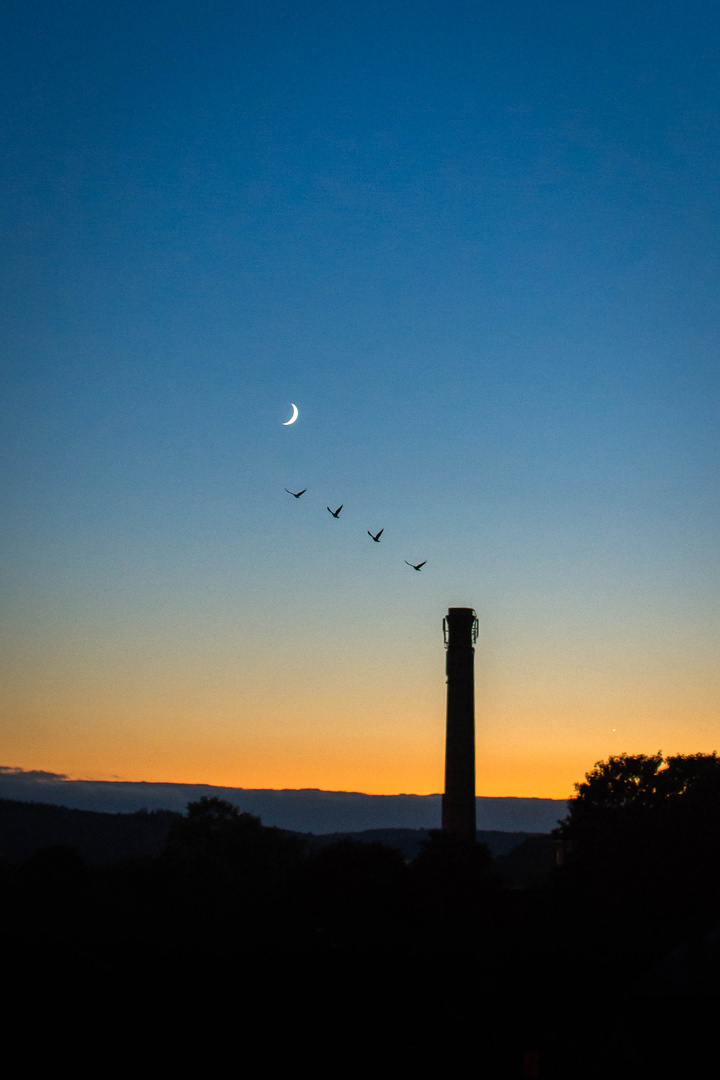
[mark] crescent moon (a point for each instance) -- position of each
(294, 416)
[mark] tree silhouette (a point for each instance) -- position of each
(644, 830)
(224, 873)
(349, 895)
(215, 833)
(452, 879)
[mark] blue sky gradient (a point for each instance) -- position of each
(477, 245)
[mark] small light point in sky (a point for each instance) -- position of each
(293, 418)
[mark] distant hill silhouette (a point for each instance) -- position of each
(305, 810)
(97, 837)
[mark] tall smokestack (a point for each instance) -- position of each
(458, 803)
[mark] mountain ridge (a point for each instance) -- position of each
(313, 810)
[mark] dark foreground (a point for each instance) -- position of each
(351, 958)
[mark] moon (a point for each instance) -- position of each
(294, 416)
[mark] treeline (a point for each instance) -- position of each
(220, 881)
(101, 837)
(568, 925)
(636, 858)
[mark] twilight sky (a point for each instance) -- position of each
(477, 245)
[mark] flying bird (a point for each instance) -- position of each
(336, 513)
(296, 494)
(419, 565)
(376, 538)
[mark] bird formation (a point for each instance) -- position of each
(373, 536)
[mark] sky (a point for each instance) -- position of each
(476, 244)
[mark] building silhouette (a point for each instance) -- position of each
(458, 802)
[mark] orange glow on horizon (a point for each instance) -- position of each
(253, 727)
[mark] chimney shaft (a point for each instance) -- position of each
(458, 803)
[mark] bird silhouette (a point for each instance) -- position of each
(376, 538)
(419, 565)
(336, 513)
(296, 494)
